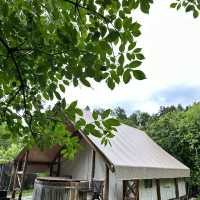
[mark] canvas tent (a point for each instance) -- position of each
(125, 166)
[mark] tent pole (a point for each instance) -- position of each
(58, 169)
(106, 185)
(93, 165)
(158, 189)
(1, 169)
(23, 175)
(11, 176)
(176, 188)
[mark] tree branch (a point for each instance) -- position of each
(88, 9)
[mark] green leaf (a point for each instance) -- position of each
(118, 24)
(115, 76)
(95, 115)
(112, 122)
(145, 6)
(105, 113)
(132, 46)
(127, 76)
(135, 64)
(136, 26)
(122, 48)
(113, 36)
(190, 8)
(173, 5)
(139, 75)
(121, 59)
(73, 104)
(110, 83)
(57, 95)
(89, 127)
(85, 82)
(80, 123)
(195, 13)
(138, 50)
(62, 87)
(120, 70)
(140, 56)
(96, 133)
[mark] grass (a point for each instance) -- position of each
(28, 192)
(25, 193)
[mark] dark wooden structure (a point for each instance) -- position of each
(131, 190)
(50, 188)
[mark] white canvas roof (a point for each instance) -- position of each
(135, 155)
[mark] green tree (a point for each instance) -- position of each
(178, 132)
(47, 45)
(8, 147)
(120, 113)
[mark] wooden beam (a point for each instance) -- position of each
(106, 185)
(15, 179)
(158, 189)
(93, 164)
(176, 188)
(40, 163)
(23, 175)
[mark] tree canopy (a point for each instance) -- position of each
(47, 45)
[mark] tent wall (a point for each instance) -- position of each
(112, 186)
(100, 168)
(80, 167)
(37, 168)
(167, 189)
(147, 193)
(181, 187)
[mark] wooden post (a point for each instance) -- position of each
(1, 169)
(93, 165)
(158, 189)
(106, 185)
(23, 175)
(51, 169)
(58, 169)
(176, 188)
(15, 179)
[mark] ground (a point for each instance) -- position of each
(27, 198)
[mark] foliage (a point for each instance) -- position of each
(184, 127)
(189, 6)
(45, 46)
(8, 148)
(120, 113)
(137, 119)
(8, 153)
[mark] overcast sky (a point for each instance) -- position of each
(171, 44)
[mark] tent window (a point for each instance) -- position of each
(131, 190)
(148, 183)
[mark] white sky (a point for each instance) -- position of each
(170, 42)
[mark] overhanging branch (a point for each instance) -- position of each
(78, 5)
